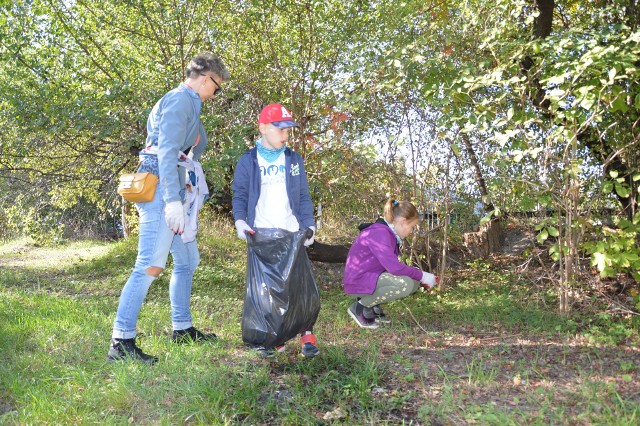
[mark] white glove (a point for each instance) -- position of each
(174, 216)
(309, 241)
(242, 227)
(428, 279)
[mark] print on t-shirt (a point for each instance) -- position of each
(273, 209)
(272, 173)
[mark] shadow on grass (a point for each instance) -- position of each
(457, 375)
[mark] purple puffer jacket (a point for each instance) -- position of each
(373, 252)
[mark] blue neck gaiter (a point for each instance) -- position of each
(270, 155)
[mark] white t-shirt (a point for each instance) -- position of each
(273, 209)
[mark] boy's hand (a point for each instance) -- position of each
(309, 241)
(242, 228)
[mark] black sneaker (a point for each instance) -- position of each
(192, 334)
(122, 349)
(380, 315)
(356, 310)
(265, 353)
(270, 352)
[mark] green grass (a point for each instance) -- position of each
(483, 351)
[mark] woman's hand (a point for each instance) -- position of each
(174, 216)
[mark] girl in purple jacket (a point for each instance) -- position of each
(373, 273)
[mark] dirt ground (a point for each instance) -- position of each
(529, 375)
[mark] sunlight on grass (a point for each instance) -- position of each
(20, 254)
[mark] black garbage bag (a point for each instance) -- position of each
(282, 297)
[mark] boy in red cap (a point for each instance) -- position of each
(270, 190)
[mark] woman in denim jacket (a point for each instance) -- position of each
(173, 127)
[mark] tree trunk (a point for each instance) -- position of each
(326, 253)
(445, 231)
(477, 172)
(488, 239)
(541, 28)
(124, 218)
(544, 21)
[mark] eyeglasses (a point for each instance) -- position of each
(218, 88)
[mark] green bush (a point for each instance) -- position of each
(616, 250)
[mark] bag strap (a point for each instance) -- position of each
(135, 169)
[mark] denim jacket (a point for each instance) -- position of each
(173, 125)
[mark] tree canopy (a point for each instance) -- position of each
(520, 105)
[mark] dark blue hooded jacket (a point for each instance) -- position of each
(246, 188)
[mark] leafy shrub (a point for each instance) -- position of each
(616, 250)
(44, 230)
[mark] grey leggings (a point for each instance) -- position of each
(389, 287)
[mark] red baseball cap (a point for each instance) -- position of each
(277, 115)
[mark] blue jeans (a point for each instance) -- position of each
(155, 242)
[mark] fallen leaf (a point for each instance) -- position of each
(338, 413)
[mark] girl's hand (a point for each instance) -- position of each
(428, 279)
